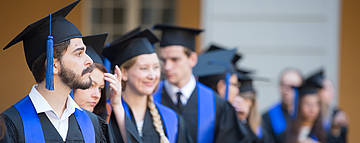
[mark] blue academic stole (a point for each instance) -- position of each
(168, 117)
(206, 111)
(277, 119)
(32, 127)
(259, 132)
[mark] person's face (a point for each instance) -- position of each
(242, 107)
(327, 92)
(144, 75)
(310, 107)
(289, 80)
(177, 65)
(88, 98)
(74, 68)
(233, 88)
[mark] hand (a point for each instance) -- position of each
(115, 86)
(340, 119)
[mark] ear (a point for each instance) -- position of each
(193, 59)
(124, 73)
(220, 86)
(56, 66)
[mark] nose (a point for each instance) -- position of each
(151, 75)
(88, 60)
(167, 65)
(97, 93)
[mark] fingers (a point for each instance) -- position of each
(110, 79)
(118, 73)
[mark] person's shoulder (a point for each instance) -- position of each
(11, 114)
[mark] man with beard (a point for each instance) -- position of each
(48, 113)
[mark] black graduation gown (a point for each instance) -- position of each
(342, 138)
(251, 137)
(149, 133)
(226, 126)
(15, 131)
(267, 126)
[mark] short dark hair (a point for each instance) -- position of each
(38, 66)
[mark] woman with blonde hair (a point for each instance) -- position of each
(135, 116)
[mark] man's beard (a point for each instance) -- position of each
(74, 81)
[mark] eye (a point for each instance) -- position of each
(156, 66)
(174, 59)
(79, 54)
(143, 68)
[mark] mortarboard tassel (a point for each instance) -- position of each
(296, 102)
(227, 83)
(49, 61)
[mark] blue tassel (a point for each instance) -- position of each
(296, 102)
(227, 83)
(49, 61)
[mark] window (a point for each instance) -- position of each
(119, 16)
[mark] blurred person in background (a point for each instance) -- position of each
(276, 119)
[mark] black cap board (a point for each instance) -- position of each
(214, 47)
(131, 44)
(316, 79)
(176, 35)
(214, 62)
(94, 46)
(35, 35)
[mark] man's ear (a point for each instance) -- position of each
(56, 66)
(193, 59)
(220, 86)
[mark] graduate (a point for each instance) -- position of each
(334, 119)
(245, 105)
(93, 99)
(208, 117)
(136, 117)
(225, 83)
(307, 125)
(55, 54)
(276, 119)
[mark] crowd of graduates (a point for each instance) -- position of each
(129, 91)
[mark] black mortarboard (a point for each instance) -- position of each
(214, 47)
(94, 46)
(175, 35)
(307, 89)
(214, 66)
(133, 43)
(35, 35)
(316, 79)
(38, 39)
(246, 86)
(214, 62)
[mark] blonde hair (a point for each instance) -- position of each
(150, 104)
(254, 116)
(156, 120)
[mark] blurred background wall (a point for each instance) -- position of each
(271, 35)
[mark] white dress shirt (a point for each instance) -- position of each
(186, 91)
(60, 123)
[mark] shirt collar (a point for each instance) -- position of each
(187, 90)
(41, 105)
